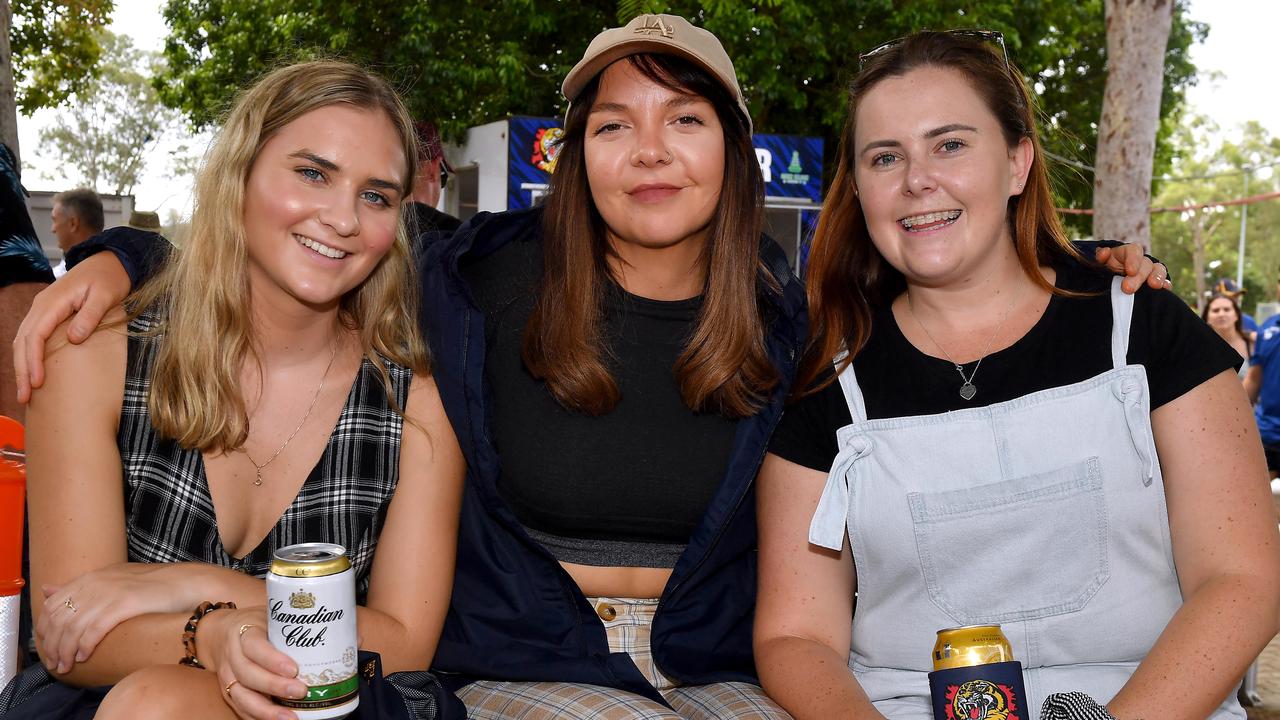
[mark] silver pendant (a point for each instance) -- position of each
(968, 390)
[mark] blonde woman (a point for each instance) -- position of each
(268, 391)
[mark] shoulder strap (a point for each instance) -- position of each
(852, 393)
(1121, 321)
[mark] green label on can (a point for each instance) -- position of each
(325, 696)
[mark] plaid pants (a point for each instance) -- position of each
(627, 624)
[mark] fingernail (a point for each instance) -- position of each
(297, 691)
(80, 657)
(61, 668)
(284, 715)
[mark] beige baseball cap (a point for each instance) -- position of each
(659, 34)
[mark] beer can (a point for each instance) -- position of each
(975, 676)
(311, 606)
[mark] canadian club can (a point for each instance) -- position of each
(311, 606)
(975, 676)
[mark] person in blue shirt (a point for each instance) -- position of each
(1262, 383)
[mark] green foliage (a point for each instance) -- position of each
(116, 121)
(469, 63)
(55, 48)
(1192, 156)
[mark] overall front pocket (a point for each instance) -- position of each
(1014, 550)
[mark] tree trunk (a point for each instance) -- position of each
(1197, 258)
(8, 98)
(1137, 33)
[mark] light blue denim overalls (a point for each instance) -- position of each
(1045, 514)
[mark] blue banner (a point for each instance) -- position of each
(532, 150)
(791, 164)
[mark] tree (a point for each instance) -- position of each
(48, 53)
(117, 119)
(1208, 171)
(484, 60)
(1137, 32)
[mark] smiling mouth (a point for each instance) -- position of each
(320, 247)
(929, 221)
(653, 193)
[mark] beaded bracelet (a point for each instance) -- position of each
(189, 631)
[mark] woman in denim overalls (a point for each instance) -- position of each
(1147, 582)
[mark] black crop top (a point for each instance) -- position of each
(626, 488)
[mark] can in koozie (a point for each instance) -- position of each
(311, 605)
(975, 676)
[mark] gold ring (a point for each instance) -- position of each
(230, 685)
(70, 605)
(245, 627)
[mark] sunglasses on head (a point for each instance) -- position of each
(993, 36)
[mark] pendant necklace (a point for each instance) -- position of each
(259, 468)
(967, 390)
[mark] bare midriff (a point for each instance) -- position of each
(618, 582)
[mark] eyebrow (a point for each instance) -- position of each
(953, 127)
(677, 101)
(331, 166)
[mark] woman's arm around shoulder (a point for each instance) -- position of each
(412, 575)
(74, 496)
(1226, 549)
(804, 606)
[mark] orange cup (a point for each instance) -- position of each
(13, 481)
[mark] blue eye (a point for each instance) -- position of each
(311, 174)
(376, 198)
(952, 145)
(882, 160)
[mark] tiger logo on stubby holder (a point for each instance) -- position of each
(302, 600)
(981, 700)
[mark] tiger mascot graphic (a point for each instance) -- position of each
(980, 700)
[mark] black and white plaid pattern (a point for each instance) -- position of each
(170, 516)
(1073, 706)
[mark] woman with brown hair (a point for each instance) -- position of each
(1222, 313)
(995, 434)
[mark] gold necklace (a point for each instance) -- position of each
(259, 468)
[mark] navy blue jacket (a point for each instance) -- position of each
(516, 614)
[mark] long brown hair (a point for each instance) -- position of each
(202, 294)
(847, 276)
(1239, 323)
(724, 367)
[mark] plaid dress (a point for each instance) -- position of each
(169, 513)
(169, 517)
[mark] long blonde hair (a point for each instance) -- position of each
(202, 295)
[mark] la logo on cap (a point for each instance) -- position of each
(653, 25)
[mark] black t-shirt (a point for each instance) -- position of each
(642, 473)
(1070, 343)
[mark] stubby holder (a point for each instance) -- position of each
(992, 691)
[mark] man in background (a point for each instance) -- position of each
(77, 216)
(433, 174)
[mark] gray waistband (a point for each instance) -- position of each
(609, 553)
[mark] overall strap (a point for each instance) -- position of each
(852, 393)
(1121, 321)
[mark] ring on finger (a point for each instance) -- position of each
(230, 685)
(245, 627)
(70, 605)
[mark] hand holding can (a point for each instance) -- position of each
(311, 611)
